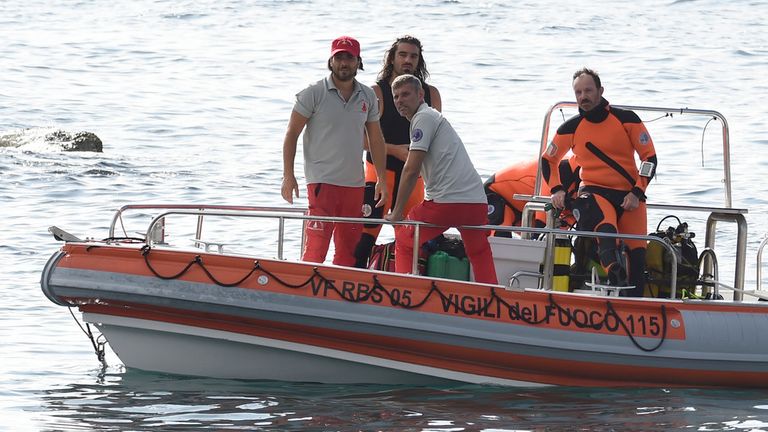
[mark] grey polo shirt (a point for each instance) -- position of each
(333, 137)
(449, 176)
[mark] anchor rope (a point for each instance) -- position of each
(98, 343)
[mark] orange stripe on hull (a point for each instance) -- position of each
(481, 362)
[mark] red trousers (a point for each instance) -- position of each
(338, 201)
(448, 215)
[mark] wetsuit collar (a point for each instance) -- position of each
(596, 114)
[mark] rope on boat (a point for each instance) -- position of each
(397, 300)
(98, 342)
(623, 325)
(199, 261)
(146, 249)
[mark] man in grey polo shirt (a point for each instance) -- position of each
(454, 193)
(338, 112)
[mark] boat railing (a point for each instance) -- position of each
(554, 232)
(155, 233)
(537, 203)
(680, 111)
(759, 266)
(282, 216)
(712, 276)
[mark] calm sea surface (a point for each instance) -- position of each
(191, 99)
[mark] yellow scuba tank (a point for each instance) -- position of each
(562, 265)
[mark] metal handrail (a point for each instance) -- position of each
(279, 213)
(274, 212)
(576, 233)
(543, 199)
(529, 211)
(741, 246)
(251, 213)
(201, 207)
(760, 263)
(713, 113)
(709, 259)
(716, 214)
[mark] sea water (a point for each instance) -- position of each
(191, 99)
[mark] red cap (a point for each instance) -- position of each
(346, 44)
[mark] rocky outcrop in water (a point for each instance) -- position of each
(79, 141)
(49, 139)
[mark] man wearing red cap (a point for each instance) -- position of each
(337, 112)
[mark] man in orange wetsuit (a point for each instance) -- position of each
(520, 178)
(405, 56)
(604, 141)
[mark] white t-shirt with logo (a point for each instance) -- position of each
(449, 176)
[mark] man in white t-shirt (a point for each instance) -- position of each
(338, 111)
(454, 193)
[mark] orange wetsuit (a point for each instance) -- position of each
(604, 142)
(520, 178)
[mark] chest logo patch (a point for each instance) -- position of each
(551, 149)
(417, 135)
(367, 210)
(365, 107)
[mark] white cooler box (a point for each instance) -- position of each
(511, 255)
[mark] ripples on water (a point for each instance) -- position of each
(136, 400)
(191, 99)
